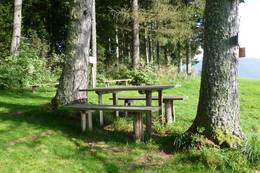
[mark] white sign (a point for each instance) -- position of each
(92, 60)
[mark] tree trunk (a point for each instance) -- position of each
(94, 43)
(180, 65)
(158, 52)
(75, 71)
(188, 58)
(136, 41)
(17, 26)
(218, 115)
(150, 48)
(117, 48)
(146, 46)
(167, 57)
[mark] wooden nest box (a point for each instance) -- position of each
(242, 52)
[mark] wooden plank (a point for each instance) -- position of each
(115, 102)
(173, 111)
(153, 98)
(90, 122)
(83, 120)
(138, 127)
(100, 102)
(149, 114)
(168, 111)
(129, 88)
(79, 106)
(117, 80)
(160, 104)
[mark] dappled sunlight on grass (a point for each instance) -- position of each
(33, 138)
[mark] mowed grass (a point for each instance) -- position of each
(33, 139)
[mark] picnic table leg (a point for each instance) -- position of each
(138, 127)
(100, 102)
(90, 125)
(83, 120)
(160, 104)
(173, 111)
(115, 102)
(168, 111)
(149, 114)
(127, 103)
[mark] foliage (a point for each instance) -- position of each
(24, 70)
(251, 149)
(140, 76)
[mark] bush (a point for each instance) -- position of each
(24, 70)
(141, 76)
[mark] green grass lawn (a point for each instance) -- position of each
(32, 139)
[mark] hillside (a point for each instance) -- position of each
(248, 68)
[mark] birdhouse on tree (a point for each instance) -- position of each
(242, 52)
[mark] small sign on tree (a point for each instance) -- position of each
(92, 60)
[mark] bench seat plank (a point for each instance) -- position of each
(114, 108)
(153, 98)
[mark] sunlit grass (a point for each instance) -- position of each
(33, 139)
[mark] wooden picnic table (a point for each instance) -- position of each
(147, 90)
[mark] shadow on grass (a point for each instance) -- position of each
(69, 123)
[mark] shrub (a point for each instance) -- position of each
(24, 70)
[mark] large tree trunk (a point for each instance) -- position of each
(117, 48)
(188, 58)
(158, 52)
(136, 41)
(218, 115)
(146, 43)
(75, 71)
(17, 25)
(94, 43)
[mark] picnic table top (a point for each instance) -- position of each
(130, 88)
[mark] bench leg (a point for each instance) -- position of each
(101, 118)
(168, 111)
(160, 104)
(115, 102)
(173, 111)
(90, 124)
(83, 121)
(138, 127)
(149, 114)
(127, 103)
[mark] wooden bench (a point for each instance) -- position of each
(88, 109)
(36, 87)
(170, 112)
(126, 81)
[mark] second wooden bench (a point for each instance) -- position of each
(170, 112)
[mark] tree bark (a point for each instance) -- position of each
(136, 41)
(94, 43)
(218, 115)
(146, 46)
(17, 26)
(158, 52)
(150, 48)
(180, 65)
(75, 71)
(117, 47)
(188, 58)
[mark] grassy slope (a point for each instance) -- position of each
(38, 141)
